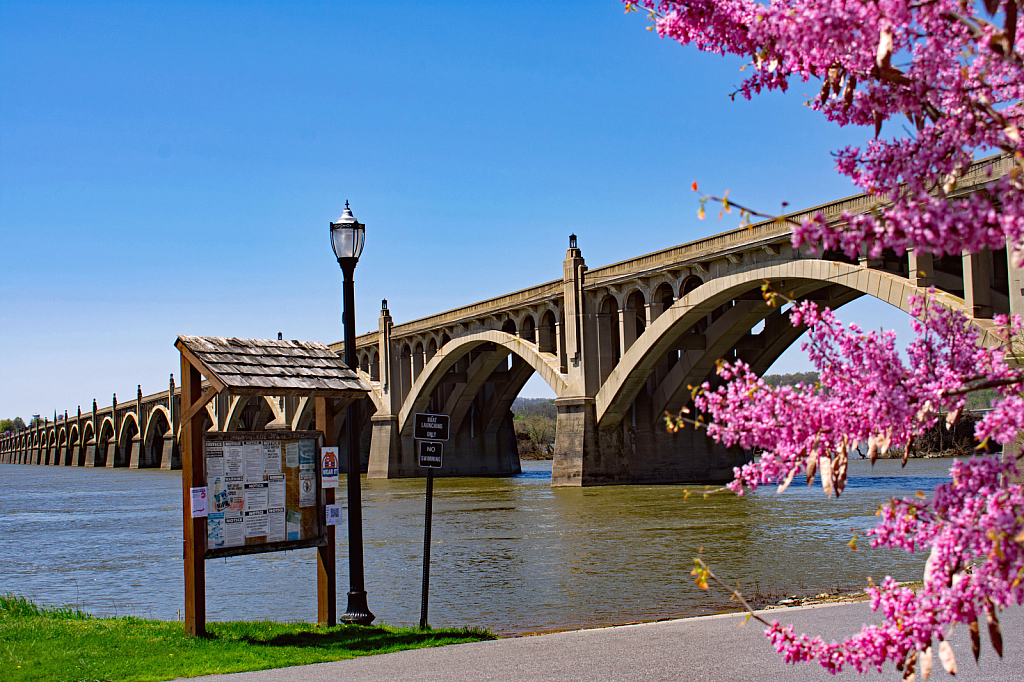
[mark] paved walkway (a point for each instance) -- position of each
(712, 649)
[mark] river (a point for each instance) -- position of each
(510, 554)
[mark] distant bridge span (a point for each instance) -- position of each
(617, 344)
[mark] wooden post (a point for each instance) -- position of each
(192, 475)
(326, 576)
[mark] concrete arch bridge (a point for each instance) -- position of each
(617, 344)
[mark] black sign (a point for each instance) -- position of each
(430, 454)
(431, 427)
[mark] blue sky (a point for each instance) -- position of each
(171, 168)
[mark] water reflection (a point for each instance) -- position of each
(513, 554)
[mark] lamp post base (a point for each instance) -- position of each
(357, 613)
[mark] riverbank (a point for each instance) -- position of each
(64, 643)
(709, 649)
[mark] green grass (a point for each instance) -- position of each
(65, 644)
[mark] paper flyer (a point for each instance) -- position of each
(233, 525)
(333, 514)
(232, 459)
(307, 489)
(307, 456)
(236, 493)
(293, 519)
(276, 531)
(329, 467)
(219, 497)
(198, 502)
(256, 496)
(215, 530)
(254, 462)
(272, 456)
(277, 490)
(291, 454)
(255, 523)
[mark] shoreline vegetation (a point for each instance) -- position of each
(64, 644)
(534, 421)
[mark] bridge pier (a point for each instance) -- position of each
(385, 447)
(134, 454)
(170, 458)
(93, 456)
(634, 451)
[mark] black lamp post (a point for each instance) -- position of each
(347, 239)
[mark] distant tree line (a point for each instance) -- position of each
(534, 421)
(12, 425)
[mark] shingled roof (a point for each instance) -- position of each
(270, 367)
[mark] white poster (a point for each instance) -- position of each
(291, 454)
(307, 490)
(256, 496)
(198, 502)
(333, 514)
(276, 524)
(256, 523)
(276, 490)
(233, 459)
(254, 462)
(233, 526)
(272, 456)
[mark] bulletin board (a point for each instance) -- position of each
(264, 492)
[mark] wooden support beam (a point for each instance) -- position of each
(326, 575)
(192, 475)
(199, 404)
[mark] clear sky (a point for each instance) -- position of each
(171, 168)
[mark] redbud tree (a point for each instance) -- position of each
(944, 79)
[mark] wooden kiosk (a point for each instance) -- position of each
(262, 488)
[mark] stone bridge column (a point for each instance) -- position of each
(978, 283)
(577, 448)
(92, 453)
(385, 440)
(134, 454)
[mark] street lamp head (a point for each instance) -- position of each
(347, 236)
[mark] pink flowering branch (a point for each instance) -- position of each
(953, 69)
(973, 526)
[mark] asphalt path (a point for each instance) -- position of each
(711, 649)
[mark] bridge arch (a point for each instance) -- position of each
(454, 350)
(158, 431)
(713, 299)
(129, 430)
(375, 398)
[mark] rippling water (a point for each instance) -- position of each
(510, 554)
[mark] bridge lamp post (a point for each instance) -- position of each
(347, 239)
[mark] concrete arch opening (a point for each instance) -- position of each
(547, 333)
(159, 442)
(473, 379)
(128, 441)
(609, 350)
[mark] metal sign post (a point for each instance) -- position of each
(435, 428)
